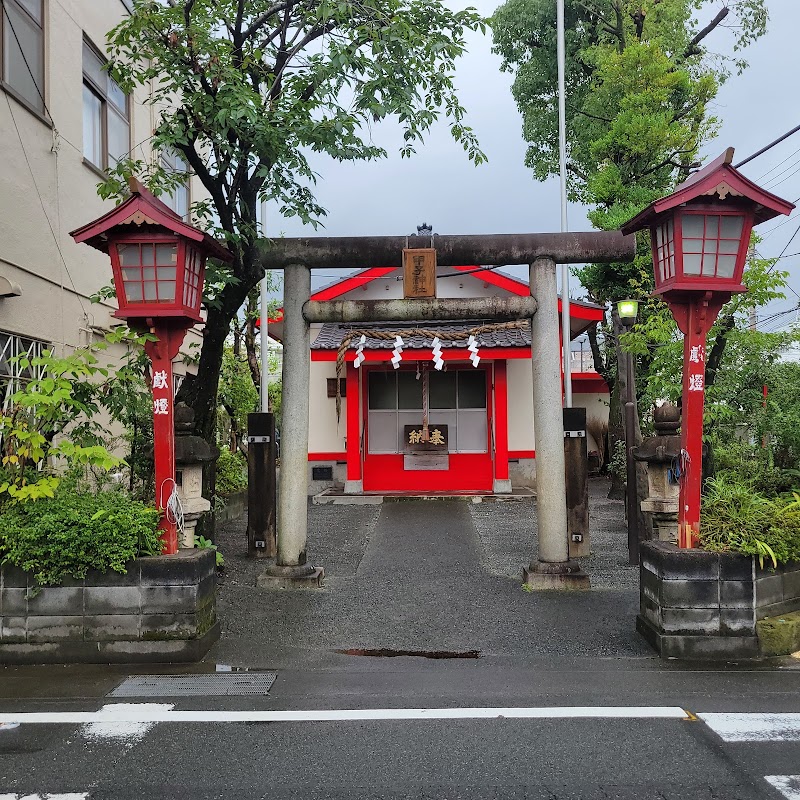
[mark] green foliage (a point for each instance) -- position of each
(618, 465)
(252, 106)
(738, 519)
(237, 392)
(231, 472)
(52, 420)
(754, 467)
(245, 91)
(206, 544)
(638, 84)
(779, 422)
(74, 531)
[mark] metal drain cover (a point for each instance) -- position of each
(225, 683)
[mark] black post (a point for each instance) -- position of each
(261, 485)
(576, 462)
(631, 494)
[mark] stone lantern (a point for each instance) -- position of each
(191, 454)
(661, 453)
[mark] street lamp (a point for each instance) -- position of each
(158, 263)
(627, 311)
(700, 235)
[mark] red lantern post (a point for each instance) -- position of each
(158, 262)
(699, 236)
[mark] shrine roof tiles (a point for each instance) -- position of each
(331, 335)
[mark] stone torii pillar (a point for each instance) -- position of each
(551, 569)
(291, 567)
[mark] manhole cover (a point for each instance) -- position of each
(226, 683)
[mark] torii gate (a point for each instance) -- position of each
(551, 567)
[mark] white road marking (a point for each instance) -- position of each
(121, 722)
(741, 727)
(787, 785)
(153, 713)
(69, 796)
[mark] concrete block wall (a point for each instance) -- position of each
(162, 609)
(696, 604)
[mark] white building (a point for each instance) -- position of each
(62, 121)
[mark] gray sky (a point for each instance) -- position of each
(440, 186)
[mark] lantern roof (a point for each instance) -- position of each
(716, 181)
(144, 208)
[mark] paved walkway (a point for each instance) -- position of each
(429, 576)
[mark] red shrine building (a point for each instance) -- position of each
(479, 436)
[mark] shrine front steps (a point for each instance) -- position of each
(338, 496)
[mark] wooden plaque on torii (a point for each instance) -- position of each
(419, 272)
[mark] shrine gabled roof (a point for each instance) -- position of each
(142, 208)
(331, 335)
(719, 178)
(491, 275)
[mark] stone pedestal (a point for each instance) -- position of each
(562, 575)
(191, 453)
(661, 454)
(291, 577)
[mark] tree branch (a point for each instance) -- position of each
(262, 19)
(718, 349)
(692, 48)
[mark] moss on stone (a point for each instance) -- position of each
(779, 636)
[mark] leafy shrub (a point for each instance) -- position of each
(53, 420)
(737, 519)
(743, 463)
(206, 544)
(231, 472)
(75, 531)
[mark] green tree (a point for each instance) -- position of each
(245, 90)
(639, 81)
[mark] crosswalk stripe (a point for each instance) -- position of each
(151, 713)
(787, 785)
(748, 727)
(117, 726)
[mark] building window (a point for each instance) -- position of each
(456, 398)
(14, 376)
(173, 163)
(23, 50)
(106, 119)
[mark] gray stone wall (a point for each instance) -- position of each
(162, 609)
(696, 604)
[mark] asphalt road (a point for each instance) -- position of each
(591, 711)
(556, 757)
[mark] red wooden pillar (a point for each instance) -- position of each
(353, 425)
(694, 318)
(161, 353)
(500, 421)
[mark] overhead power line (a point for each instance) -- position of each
(768, 147)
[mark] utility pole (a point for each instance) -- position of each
(562, 168)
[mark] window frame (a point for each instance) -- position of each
(7, 87)
(396, 413)
(13, 345)
(165, 156)
(106, 104)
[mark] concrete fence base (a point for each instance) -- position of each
(162, 610)
(700, 605)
